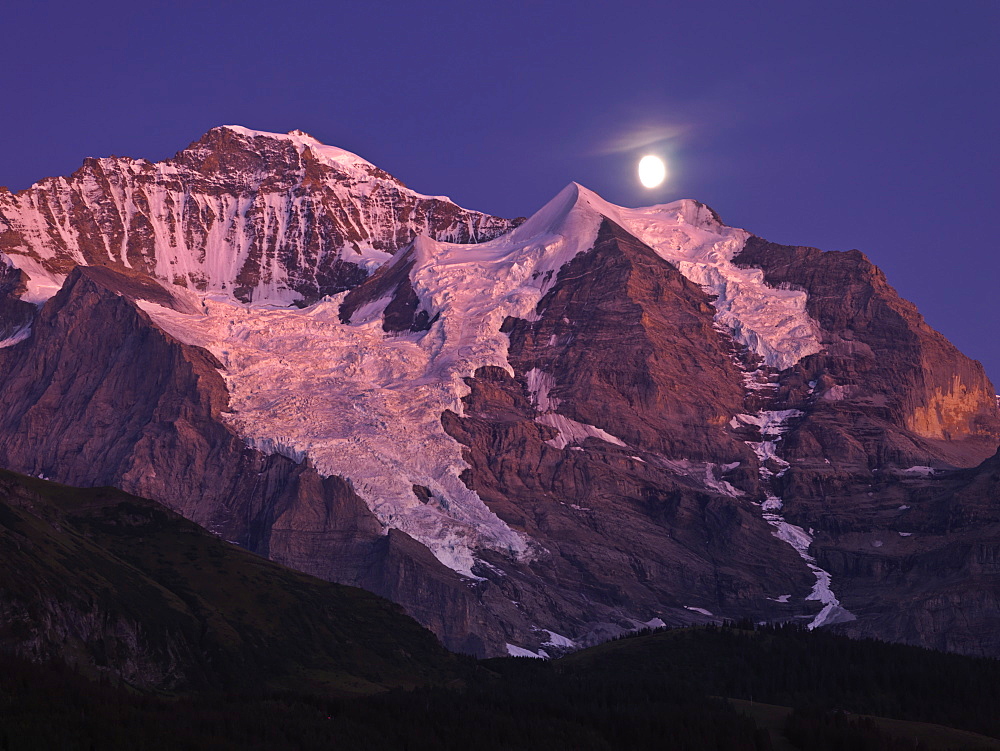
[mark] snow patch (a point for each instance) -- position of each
(699, 610)
(838, 393)
(515, 651)
(16, 338)
(280, 445)
(329, 155)
(703, 472)
(371, 311)
(719, 485)
(539, 385)
(558, 640)
(772, 425)
(42, 284)
(571, 431)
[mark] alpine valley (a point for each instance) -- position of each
(533, 435)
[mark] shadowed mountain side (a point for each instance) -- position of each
(626, 541)
(912, 549)
(15, 314)
(120, 586)
(934, 544)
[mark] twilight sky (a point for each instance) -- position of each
(869, 125)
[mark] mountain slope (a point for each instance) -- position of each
(120, 586)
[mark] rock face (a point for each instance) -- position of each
(931, 542)
(624, 341)
(256, 216)
(886, 412)
(15, 314)
(604, 419)
(918, 397)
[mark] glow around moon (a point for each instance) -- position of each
(652, 171)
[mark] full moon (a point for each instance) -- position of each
(652, 171)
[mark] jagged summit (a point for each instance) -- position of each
(252, 216)
(330, 155)
(770, 321)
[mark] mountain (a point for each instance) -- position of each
(122, 588)
(602, 419)
(260, 217)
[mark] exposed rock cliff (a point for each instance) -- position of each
(920, 560)
(913, 395)
(884, 414)
(258, 216)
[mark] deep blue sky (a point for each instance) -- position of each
(870, 125)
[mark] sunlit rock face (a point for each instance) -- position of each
(886, 387)
(255, 216)
(599, 419)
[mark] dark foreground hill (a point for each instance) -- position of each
(121, 587)
(124, 626)
(647, 692)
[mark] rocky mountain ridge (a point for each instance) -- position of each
(603, 419)
(261, 217)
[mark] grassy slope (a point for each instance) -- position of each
(221, 616)
(936, 737)
(792, 667)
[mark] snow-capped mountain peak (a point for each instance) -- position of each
(771, 322)
(302, 141)
(253, 216)
(556, 414)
